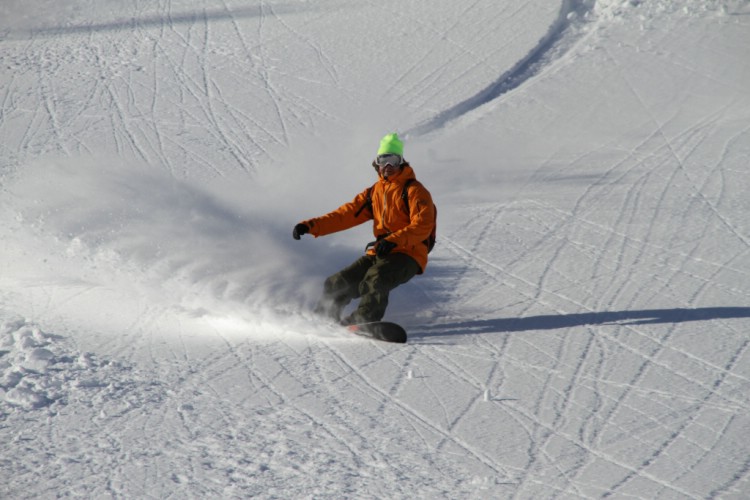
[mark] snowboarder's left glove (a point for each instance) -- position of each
(299, 230)
(384, 247)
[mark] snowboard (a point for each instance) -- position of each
(380, 330)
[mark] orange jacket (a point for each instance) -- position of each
(388, 214)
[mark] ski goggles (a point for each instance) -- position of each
(388, 159)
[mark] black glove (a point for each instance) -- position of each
(384, 247)
(299, 230)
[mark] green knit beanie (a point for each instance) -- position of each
(391, 144)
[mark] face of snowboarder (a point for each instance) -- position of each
(388, 164)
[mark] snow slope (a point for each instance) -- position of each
(583, 327)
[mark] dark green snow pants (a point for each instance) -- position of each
(370, 278)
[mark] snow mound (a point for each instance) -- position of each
(40, 370)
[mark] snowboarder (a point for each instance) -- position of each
(403, 216)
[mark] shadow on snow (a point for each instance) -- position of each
(559, 321)
(163, 19)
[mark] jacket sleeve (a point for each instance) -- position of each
(346, 216)
(421, 218)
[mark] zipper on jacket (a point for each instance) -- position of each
(385, 207)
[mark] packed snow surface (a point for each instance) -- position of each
(582, 329)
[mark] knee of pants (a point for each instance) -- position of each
(329, 284)
(363, 288)
(334, 285)
(374, 285)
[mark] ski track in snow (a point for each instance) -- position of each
(583, 336)
(553, 44)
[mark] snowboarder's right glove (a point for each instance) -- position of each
(299, 230)
(384, 247)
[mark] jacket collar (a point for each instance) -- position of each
(404, 175)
